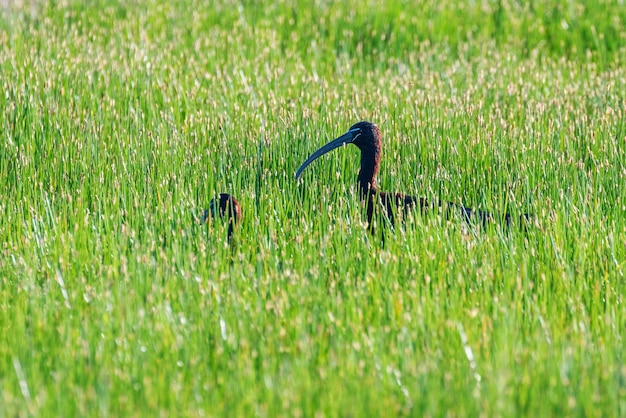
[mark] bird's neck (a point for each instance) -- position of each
(370, 163)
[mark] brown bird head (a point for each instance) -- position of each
(367, 137)
(226, 207)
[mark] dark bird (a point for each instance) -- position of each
(366, 136)
(225, 207)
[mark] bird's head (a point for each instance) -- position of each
(364, 135)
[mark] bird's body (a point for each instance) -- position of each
(367, 137)
(226, 207)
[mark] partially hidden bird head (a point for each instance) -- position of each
(225, 206)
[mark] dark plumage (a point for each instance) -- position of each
(226, 207)
(367, 137)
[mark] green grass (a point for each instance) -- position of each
(120, 120)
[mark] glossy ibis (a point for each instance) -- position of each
(366, 136)
(224, 206)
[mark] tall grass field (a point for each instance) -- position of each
(121, 120)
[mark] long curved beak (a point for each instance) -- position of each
(346, 138)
